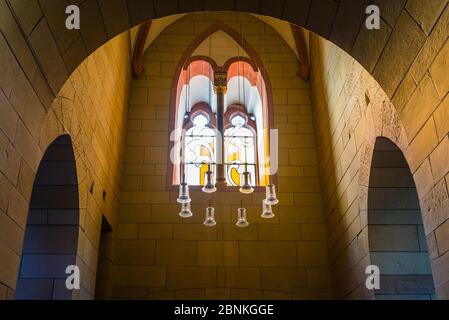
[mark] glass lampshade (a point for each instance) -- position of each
(210, 217)
(271, 198)
(242, 222)
(185, 211)
(246, 183)
(184, 196)
(209, 186)
(267, 212)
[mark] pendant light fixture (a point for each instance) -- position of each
(271, 198)
(267, 212)
(185, 211)
(184, 194)
(248, 179)
(246, 185)
(209, 186)
(210, 217)
(242, 221)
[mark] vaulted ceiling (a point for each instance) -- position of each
(158, 25)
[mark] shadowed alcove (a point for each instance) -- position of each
(51, 233)
(396, 234)
(103, 286)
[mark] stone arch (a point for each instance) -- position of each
(397, 240)
(384, 124)
(51, 234)
(259, 77)
(186, 57)
(42, 119)
(173, 289)
(68, 116)
(103, 16)
(338, 21)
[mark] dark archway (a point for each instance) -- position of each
(51, 235)
(397, 240)
(103, 286)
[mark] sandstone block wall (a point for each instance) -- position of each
(51, 234)
(91, 108)
(103, 284)
(408, 56)
(396, 235)
(351, 110)
(159, 255)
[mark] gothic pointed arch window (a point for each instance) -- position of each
(247, 123)
(199, 146)
(221, 117)
(240, 146)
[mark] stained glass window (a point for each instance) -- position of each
(201, 116)
(239, 150)
(199, 149)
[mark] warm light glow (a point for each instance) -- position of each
(271, 198)
(199, 150)
(242, 222)
(185, 211)
(210, 217)
(240, 148)
(184, 196)
(267, 212)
